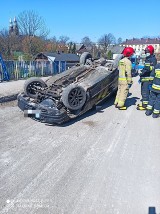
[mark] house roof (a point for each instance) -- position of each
(146, 41)
(115, 49)
(68, 57)
(82, 48)
(79, 46)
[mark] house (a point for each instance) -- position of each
(80, 48)
(60, 61)
(115, 49)
(140, 44)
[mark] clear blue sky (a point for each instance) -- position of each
(94, 18)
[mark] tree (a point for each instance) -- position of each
(62, 44)
(70, 47)
(63, 40)
(9, 44)
(31, 25)
(51, 44)
(119, 40)
(86, 41)
(109, 55)
(33, 46)
(74, 48)
(94, 51)
(106, 40)
(5, 46)
(53, 39)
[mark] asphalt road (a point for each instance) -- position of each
(105, 162)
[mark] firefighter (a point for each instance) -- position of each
(145, 78)
(125, 78)
(153, 106)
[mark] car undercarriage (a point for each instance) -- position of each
(71, 93)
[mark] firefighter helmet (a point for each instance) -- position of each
(149, 49)
(128, 51)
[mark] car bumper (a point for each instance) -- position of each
(41, 113)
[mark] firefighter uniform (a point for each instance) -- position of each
(154, 99)
(124, 80)
(146, 80)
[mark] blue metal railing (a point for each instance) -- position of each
(25, 69)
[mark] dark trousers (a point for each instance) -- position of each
(145, 92)
(154, 101)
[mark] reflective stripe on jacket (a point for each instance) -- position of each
(125, 67)
(156, 80)
(149, 65)
(146, 79)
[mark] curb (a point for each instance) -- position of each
(8, 98)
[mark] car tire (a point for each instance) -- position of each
(29, 85)
(74, 97)
(84, 57)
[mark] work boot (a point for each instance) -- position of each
(122, 108)
(155, 115)
(141, 107)
(148, 112)
(116, 105)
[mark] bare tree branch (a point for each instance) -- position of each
(106, 40)
(87, 41)
(31, 24)
(63, 39)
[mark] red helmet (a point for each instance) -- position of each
(149, 49)
(128, 51)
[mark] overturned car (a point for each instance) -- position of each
(72, 93)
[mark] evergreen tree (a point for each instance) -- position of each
(109, 55)
(70, 47)
(74, 48)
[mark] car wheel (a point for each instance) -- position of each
(84, 57)
(74, 97)
(31, 84)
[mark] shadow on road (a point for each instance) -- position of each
(99, 108)
(131, 101)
